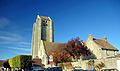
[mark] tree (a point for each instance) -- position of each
(6, 64)
(26, 61)
(21, 61)
(60, 57)
(11, 63)
(76, 48)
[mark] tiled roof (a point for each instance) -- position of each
(51, 46)
(104, 44)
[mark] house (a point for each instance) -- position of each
(101, 48)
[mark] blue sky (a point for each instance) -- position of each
(72, 18)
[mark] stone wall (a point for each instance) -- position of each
(110, 63)
(118, 65)
(108, 53)
(95, 49)
(36, 37)
(42, 54)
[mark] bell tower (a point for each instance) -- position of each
(42, 30)
(47, 29)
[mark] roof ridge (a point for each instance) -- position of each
(104, 44)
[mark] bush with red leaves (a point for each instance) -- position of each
(76, 48)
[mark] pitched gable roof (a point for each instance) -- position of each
(52, 46)
(104, 44)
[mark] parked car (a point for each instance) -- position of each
(37, 68)
(54, 69)
(77, 70)
(89, 70)
(82, 70)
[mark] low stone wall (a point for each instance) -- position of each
(109, 63)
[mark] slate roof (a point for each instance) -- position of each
(52, 46)
(104, 44)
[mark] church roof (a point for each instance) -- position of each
(51, 46)
(104, 44)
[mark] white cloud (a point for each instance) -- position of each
(9, 38)
(25, 43)
(14, 41)
(19, 48)
(4, 22)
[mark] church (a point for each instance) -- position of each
(43, 42)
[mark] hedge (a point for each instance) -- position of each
(21, 61)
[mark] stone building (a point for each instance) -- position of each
(43, 40)
(43, 43)
(42, 31)
(101, 48)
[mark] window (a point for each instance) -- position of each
(107, 52)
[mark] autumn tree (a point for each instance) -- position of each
(76, 48)
(60, 57)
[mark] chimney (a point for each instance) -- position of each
(90, 37)
(104, 39)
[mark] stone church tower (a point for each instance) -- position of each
(42, 31)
